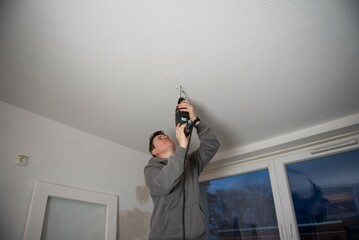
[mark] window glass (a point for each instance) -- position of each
(240, 207)
(325, 196)
(71, 219)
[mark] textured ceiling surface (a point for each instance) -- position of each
(254, 70)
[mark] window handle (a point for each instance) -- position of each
(291, 230)
(281, 231)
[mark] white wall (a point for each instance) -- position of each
(67, 156)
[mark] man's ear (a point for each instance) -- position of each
(154, 152)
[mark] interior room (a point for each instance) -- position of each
(83, 85)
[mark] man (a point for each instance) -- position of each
(164, 176)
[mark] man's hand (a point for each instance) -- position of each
(185, 106)
(181, 136)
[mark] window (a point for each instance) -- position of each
(240, 207)
(324, 194)
(305, 194)
(70, 219)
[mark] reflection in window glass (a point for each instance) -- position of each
(325, 196)
(240, 207)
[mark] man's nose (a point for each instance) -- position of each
(163, 138)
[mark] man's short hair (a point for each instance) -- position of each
(151, 146)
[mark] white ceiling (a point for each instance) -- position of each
(255, 70)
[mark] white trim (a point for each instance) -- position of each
(217, 169)
(343, 144)
(321, 129)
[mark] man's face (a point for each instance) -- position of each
(162, 144)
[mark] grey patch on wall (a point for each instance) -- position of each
(142, 194)
(134, 225)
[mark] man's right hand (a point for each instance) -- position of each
(181, 137)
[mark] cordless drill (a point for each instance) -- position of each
(182, 118)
